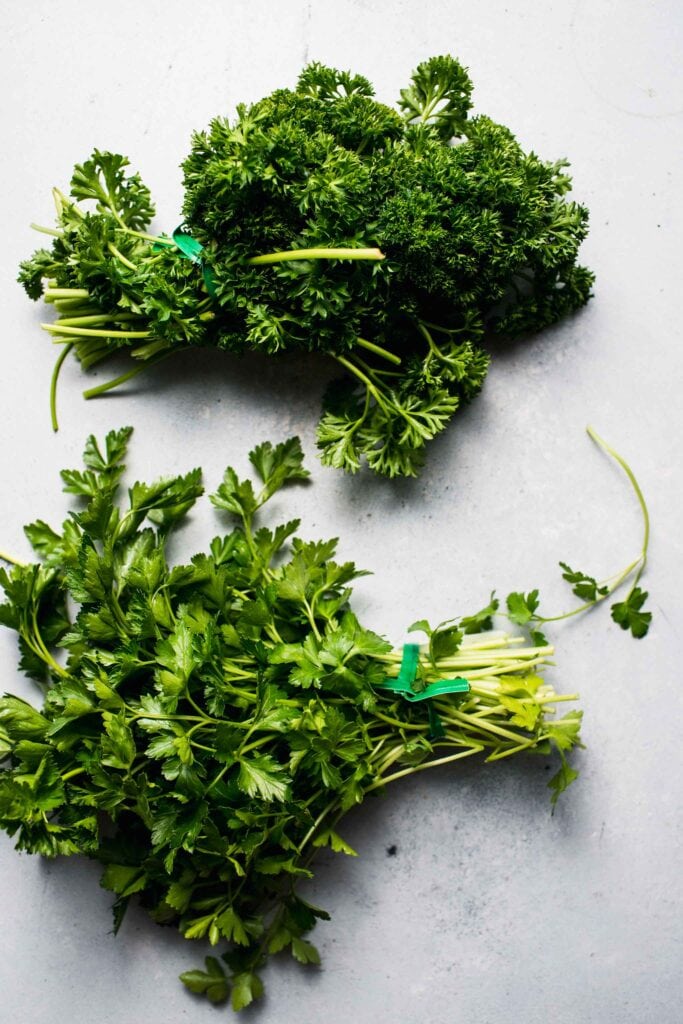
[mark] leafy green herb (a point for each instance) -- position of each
(628, 613)
(206, 726)
(323, 220)
(523, 608)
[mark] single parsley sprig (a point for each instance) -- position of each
(322, 220)
(522, 609)
(206, 726)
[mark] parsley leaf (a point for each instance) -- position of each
(629, 615)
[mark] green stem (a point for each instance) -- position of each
(53, 384)
(311, 618)
(423, 767)
(87, 332)
(318, 821)
(443, 330)
(47, 231)
(111, 384)
(89, 319)
(152, 238)
(397, 723)
(316, 254)
(593, 434)
(41, 648)
(352, 368)
(5, 557)
(378, 350)
(65, 293)
(638, 564)
(120, 257)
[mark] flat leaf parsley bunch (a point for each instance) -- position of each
(323, 220)
(212, 722)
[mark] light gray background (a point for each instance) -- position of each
(491, 909)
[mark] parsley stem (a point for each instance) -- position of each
(311, 618)
(120, 257)
(423, 767)
(362, 377)
(111, 384)
(397, 723)
(88, 332)
(443, 330)
(46, 231)
(159, 239)
(50, 294)
(593, 434)
(482, 726)
(378, 350)
(218, 777)
(316, 254)
(53, 384)
(613, 583)
(5, 557)
(40, 648)
(87, 319)
(318, 821)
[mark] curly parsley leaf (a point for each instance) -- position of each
(321, 220)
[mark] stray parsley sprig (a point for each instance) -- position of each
(522, 609)
(206, 726)
(322, 220)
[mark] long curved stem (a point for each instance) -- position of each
(53, 384)
(613, 583)
(593, 434)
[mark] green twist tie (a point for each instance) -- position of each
(192, 250)
(403, 684)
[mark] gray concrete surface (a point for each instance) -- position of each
(491, 910)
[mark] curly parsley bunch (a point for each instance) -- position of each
(319, 219)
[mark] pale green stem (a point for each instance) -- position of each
(65, 293)
(47, 231)
(423, 767)
(378, 350)
(593, 434)
(316, 254)
(89, 319)
(120, 257)
(53, 384)
(109, 385)
(86, 332)
(5, 557)
(362, 377)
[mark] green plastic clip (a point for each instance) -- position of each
(403, 684)
(192, 250)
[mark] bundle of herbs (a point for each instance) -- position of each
(211, 722)
(323, 220)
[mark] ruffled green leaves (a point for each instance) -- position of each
(326, 221)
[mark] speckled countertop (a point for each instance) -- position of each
(487, 908)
